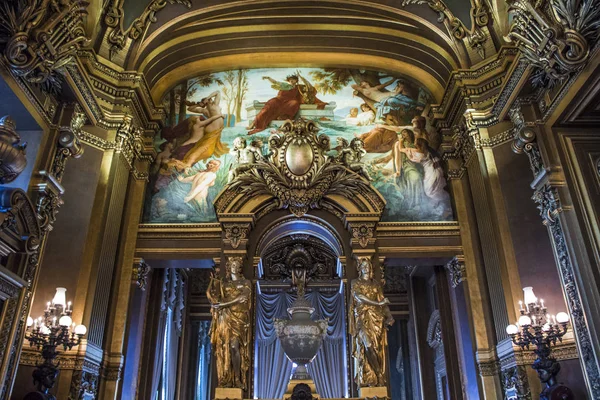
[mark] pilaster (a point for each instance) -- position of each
(109, 253)
(46, 192)
(464, 172)
(555, 204)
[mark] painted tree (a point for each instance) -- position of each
(228, 94)
(242, 90)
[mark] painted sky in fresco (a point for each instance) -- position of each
(195, 161)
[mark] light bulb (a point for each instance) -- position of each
(29, 321)
(562, 317)
(546, 327)
(529, 296)
(512, 329)
(60, 297)
(65, 321)
(45, 330)
(80, 330)
(524, 320)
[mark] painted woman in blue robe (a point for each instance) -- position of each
(396, 102)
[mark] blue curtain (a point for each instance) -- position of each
(271, 366)
(203, 381)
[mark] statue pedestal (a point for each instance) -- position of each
(229, 393)
(294, 382)
(381, 392)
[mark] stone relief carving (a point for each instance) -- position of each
(554, 36)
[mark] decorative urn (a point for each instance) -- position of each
(300, 336)
(12, 154)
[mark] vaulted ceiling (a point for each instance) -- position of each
(179, 42)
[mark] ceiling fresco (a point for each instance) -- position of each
(209, 115)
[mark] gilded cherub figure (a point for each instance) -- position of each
(351, 157)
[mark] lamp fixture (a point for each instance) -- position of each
(56, 328)
(537, 327)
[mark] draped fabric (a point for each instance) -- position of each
(203, 381)
(160, 338)
(164, 373)
(273, 369)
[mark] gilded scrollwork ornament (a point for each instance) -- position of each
(554, 36)
(119, 35)
(41, 36)
(298, 172)
(235, 233)
(457, 271)
(476, 37)
(130, 143)
(140, 272)
(363, 232)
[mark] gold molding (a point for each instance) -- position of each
(176, 42)
(196, 15)
(294, 59)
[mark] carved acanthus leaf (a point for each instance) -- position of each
(554, 37)
(41, 36)
(301, 184)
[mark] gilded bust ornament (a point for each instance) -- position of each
(369, 317)
(230, 328)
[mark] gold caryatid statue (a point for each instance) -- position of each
(230, 327)
(369, 318)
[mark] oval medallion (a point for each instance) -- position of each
(299, 157)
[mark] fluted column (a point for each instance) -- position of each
(114, 336)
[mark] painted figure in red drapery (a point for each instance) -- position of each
(287, 102)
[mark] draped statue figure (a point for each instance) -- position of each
(230, 328)
(369, 317)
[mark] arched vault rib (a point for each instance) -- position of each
(255, 34)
